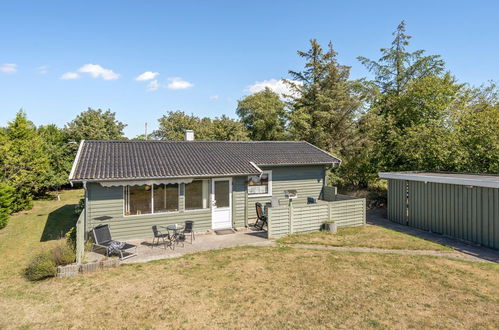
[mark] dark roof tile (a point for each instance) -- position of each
(104, 160)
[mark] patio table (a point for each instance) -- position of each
(176, 228)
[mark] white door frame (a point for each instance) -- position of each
(214, 209)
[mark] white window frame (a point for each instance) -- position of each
(269, 193)
(125, 199)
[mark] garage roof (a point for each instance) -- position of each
(468, 179)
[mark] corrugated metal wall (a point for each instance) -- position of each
(468, 213)
(397, 194)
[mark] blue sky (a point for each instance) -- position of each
(209, 53)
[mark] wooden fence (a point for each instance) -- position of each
(80, 237)
(306, 218)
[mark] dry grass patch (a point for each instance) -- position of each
(251, 287)
(262, 287)
(365, 236)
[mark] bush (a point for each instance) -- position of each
(4, 218)
(6, 193)
(63, 254)
(42, 266)
(71, 238)
(45, 264)
(80, 207)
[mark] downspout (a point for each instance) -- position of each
(85, 218)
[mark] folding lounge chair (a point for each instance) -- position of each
(103, 239)
(260, 217)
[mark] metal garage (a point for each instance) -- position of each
(464, 206)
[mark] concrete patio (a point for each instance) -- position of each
(203, 242)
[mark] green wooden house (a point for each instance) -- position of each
(132, 185)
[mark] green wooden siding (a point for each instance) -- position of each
(464, 212)
(105, 204)
(308, 180)
(238, 202)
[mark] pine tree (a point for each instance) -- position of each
(325, 104)
(24, 163)
(397, 67)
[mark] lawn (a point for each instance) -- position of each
(365, 236)
(246, 287)
(30, 231)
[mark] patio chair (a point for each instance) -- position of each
(260, 216)
(189, 230)
(160, 236)
(175, 237)
(103, 239)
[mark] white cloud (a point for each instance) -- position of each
(278, 86)
(178, 83)
(8, 68)
(70, 76)
(42, 69)
(214, 97)
(153, 86)
(97, 71)
(148, 75)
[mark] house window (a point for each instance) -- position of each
(165, 198)
(196, 195)
(139, 199)
(147, 199)
(260, 185)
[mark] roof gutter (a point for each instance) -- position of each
(256, 167)
(165, 177)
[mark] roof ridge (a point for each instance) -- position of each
(195, 141)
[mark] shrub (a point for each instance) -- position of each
(4, 218)
(71, 238)
(45, 263)
(6, 193)
(63, 254)
(80, 207)
(41, 267)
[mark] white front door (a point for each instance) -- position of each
(221, 202)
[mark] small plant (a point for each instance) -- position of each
(42, 266)
(6, 193)
(63, 254)
(71, 238)
(80, 207)
(89, 245)
(45, 264)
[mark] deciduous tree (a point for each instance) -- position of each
(263, 115)
(95, 125)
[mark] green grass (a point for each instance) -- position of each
(246, 287)
(30, 231)
(365, 236)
